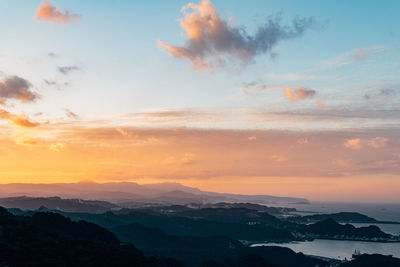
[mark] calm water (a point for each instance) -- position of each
(338, 249)
(379, 211)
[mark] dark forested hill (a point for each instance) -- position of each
(343, 217)
(373, 260)
(52, 240)
(330, 228)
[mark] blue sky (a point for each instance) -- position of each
(122, 70)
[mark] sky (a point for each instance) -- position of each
(287, 98)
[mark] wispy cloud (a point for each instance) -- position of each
(71, 114)
(212, 42)
(48, 12)
(291, 76)
(67, 69)
(18, 120)
(355, 55)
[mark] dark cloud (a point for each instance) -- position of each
(15, 87)
(382, 93)
(67, 69)
(212, 41)
(387, 92)
(55, 84)
(50, 83)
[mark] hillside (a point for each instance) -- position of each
(329, 228)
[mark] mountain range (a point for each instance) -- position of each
(127, 194)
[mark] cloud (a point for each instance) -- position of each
(291, 77)
(15, 87)
(122, 131)
(355, 55)
(185, 159)
(384, 93)
(303, 141)
(299, 94)
(56, 147)
(252, 138)
(378, 142)
(357, 143)
(360, 53)
(67, 69)
(214, 42)
(26, 141)
(278, 158)
(47, 12)
(354, 144)
(71, 114)
(188, 158)
(18, 120)
(340, 162)
(202, 153)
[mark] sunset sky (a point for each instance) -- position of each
(287, 98)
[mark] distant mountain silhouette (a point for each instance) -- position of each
(130, 194)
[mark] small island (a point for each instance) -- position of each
(331, 229)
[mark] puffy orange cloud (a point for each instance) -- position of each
(299, 94)
(46, 11)
(357, 143)
(18, 120)
(354, 144)
(214, 42)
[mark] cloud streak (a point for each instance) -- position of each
(48, 12)
(67, 69)
(213, 42)
(18, 120)
(71, 114)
